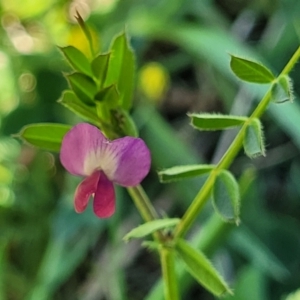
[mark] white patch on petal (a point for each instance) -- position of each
(109, 161)
(102, 159)
(92, 162)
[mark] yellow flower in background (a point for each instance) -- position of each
(153, 81)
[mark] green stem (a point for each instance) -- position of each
(203, 195)
(148, 213)
(145, 208)
(290, 65)
(168, 271)
(142, 202)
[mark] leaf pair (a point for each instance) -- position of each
(225, 192)
(195, 261)
(255, 72)
(201, 269)
(253, 138)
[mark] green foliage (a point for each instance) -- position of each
(183, 172)
(100, 66)
(150, 227)
(254, 144)
(215, 122)
(86, 112)
(226, 197)
(106, 100)
(109, 96)
(282, 90)
(44, 135)
(123, 123)
(121, 70)
(77, 60)
(83, 86)
(86, 31)
(201, 268)
(106, 83)
(250, 71)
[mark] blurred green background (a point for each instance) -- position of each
(47, 251)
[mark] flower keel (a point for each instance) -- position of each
(84, 190)
(104, 199)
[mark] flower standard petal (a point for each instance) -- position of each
(131, 161)
(104, 199)
(81, 149)
(84, 190)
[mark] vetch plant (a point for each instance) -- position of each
(101, 94)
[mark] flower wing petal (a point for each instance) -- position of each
(81, 149)
(84, 190)
(132, 161)
(104, 199)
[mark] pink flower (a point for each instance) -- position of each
(85, 151)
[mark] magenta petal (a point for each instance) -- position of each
(84, 190)
(81, 149)
(132, 160)
(104, 199)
